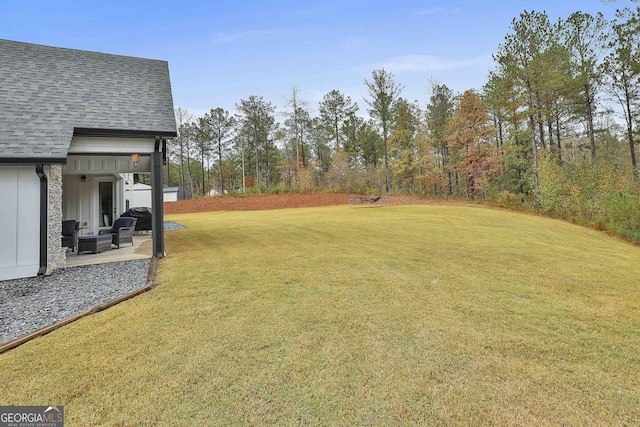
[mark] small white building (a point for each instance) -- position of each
(136, 194)
(173, 194)
(170, 194)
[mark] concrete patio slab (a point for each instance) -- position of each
(142, 248)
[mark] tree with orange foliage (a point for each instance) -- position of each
(470, 140)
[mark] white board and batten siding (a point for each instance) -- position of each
(20, 219)
(101, 155)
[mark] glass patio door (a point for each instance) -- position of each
(106, 208)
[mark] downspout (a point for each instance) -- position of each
(44, 215)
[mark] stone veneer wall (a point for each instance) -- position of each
(55, 252)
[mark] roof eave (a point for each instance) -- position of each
(124, 133)
(17, 161)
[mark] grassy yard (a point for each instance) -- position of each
(417, 315)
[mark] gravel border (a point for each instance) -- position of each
(29, 304)
(32, 303)
(173, 226)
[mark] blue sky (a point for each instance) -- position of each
(221, 52)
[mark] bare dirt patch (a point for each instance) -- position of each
(251, 203)
(271, 201)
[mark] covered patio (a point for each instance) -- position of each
(141, 249)
(98, 172)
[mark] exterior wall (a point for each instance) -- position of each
(170, 196)
(87, 165)
(55, 251)
(76, 200)
(20, 219)
(80, 199)
(138, 195)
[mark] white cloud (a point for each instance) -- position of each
(427, 63)
(232, 37)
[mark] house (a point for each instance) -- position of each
(72, 123)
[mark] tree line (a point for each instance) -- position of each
(561, 104)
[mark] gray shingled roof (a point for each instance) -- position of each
(47, 92)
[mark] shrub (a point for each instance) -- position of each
(623, 216)
(510, 200)
(602, 196)
(308, 178)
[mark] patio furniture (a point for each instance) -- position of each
(94, 244)
(143, 215)
(122, 231)
(70, 234)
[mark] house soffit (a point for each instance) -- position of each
(107, 146)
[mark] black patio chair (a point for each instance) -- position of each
(122, 231)
(70, 234)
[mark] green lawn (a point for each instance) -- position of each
(415, 315)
